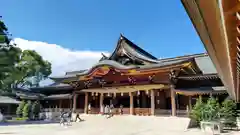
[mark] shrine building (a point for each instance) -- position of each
(135, 79)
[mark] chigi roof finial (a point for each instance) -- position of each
(121, 36)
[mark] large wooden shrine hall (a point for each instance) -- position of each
(141, 83)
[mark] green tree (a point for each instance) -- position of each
(36, 108)
(19, 68)
(209, 111)
(20, 109)
(31, 69)
(197, 111)
(27, 110)
(9, 56)
(228, 110)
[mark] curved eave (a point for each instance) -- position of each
(64, 79)
(135, 70)
(207, 18)
(51, 88)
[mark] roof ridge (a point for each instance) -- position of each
(185, 56)
(137, 47)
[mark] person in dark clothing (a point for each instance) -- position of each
(78, 117)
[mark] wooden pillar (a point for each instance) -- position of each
(70, 103)
(101, 102)
(173, 101)
(152, 102)
(190, 102)
(86, 103)
(75, 102)
(60, 103)
(131, 103)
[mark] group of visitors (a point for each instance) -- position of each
(67, 116)
(107, 110)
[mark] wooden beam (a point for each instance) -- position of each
(234, 9)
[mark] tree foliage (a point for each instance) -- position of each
(229, 110)
(213, 111)
(20, 107)
(27, 110)
(36, 108)
(9, 54)
(19, 68)
(31, 69)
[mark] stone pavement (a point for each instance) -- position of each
(117, 125)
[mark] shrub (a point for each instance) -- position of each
(27, 109)
(206, 111)
(197, 111)
(229, 110)
(36, 108)
(211, 110)
(20, 108)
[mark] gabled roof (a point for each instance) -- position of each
(131, 50)
(134, 52)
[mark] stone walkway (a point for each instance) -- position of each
(117, 125)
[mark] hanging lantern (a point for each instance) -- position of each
(146, 92)
(114, 94)
(96, 94)
(138, 102)
(92, 93)
(121, 94)
(138, 92)
(158, 93)
(108, 94)
(158, 101)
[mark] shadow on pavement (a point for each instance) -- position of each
(12, 123)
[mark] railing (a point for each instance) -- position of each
(61, 110)
(142, 111)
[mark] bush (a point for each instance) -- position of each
(27, 110)
(36, 108)
(20, 107)
(213, 111)
(197, 111)
(21, 119)
(229, 110)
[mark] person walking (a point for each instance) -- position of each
(111, 108)
(78, 117)
(121, 110)
(89, 108)
(106, 110)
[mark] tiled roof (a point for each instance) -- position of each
(8, 100)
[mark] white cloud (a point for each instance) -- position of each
(62, 59)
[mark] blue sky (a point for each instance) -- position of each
(161, 27)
